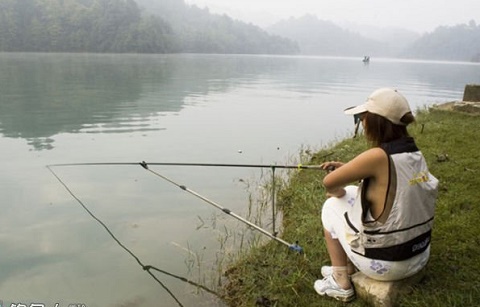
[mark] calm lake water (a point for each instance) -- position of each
(75, 108)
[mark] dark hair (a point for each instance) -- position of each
(380, 130)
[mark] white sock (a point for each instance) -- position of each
(340, 275)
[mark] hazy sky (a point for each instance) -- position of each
(418, 15)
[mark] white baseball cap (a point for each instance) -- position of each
(386, 102)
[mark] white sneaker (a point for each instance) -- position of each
(328, 286)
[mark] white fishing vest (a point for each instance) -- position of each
(404, 229)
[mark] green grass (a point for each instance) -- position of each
(272, 275)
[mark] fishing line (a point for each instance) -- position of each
(146, 268)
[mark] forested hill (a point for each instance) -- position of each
(200, 31)
(172, 26)
(320, 37)
(458, 43)
(81, 26)
(123, 26)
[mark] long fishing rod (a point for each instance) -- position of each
(299, 166)
(272, 166)
(294, 247)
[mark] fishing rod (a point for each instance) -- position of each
(273, 167)
(294, 247)
(225, 210)
(298, 166)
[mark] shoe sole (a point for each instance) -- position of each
(337, 296)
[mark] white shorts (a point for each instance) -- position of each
(333, 221)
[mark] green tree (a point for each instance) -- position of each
(80, 26)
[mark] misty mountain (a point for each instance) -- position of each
(457, 43)
(118, 26)
(200, 31)
(395, 39)
(172, 26)
(319, 37)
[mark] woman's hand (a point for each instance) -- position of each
(331, 166)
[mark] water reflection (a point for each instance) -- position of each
(46, 94)
(43, 95)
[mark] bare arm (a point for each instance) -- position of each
(369, 164)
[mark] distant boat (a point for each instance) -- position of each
(366, 59)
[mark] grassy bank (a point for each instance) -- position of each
(272, 275)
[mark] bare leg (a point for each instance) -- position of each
(339, 260)
(338, 257)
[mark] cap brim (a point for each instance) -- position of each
(355, 110)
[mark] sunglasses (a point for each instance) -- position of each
(359, 117)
